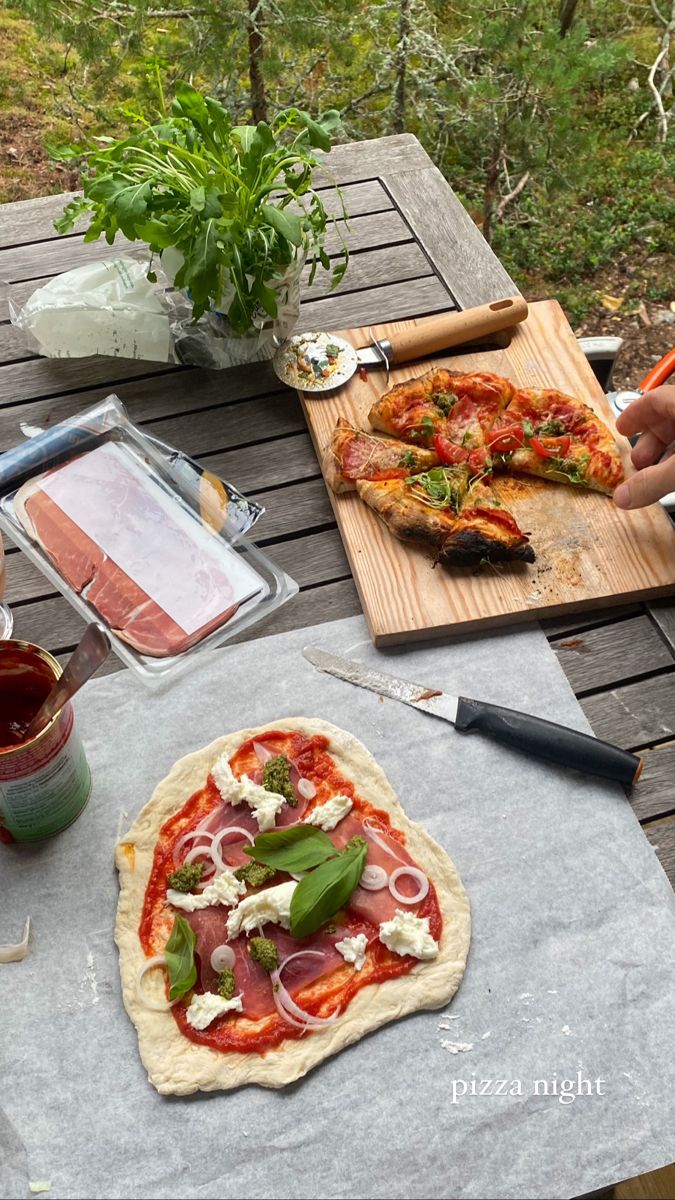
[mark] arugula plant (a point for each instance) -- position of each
(236, 201)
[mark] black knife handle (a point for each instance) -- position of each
(548, 740)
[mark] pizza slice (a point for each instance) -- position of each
(544, 432)
(354, 454)
(450, 411)
(276, 905)
(463, 524)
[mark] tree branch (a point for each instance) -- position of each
(506, 200)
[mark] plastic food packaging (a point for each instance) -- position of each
(110, 307)
(139, 538)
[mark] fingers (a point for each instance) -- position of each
(649, 449)
(647, 486)
(655, 410)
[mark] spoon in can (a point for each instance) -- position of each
(92, 649)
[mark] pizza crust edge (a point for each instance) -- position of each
(177, 1066)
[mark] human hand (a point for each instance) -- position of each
(653, 417)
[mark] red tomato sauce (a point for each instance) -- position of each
(21, 696)
(320, 998)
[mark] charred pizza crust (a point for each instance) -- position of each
(482, 529)
(178, 1066)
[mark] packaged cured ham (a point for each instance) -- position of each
(139, 538)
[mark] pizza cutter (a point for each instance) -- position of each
(321, 362)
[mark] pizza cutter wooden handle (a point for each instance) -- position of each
(452, 329)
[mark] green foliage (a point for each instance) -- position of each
(494, 93)
(217, 194)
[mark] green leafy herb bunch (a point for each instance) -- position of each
(235, 201)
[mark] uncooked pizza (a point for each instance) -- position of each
(449, 434)
(276, 904)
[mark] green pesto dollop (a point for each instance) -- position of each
(225, 983)
(277, 778)
(354, 842)
(186, 878)
(255, 874)
(263, 951)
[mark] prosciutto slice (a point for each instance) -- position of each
(374, 907)
(252, 981)
(148, 568)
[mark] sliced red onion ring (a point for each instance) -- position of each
(374, 878)
(414, 873)
(222, 958)
(188, 837)
(158, 960)
(372, 833)
(306, 789)
(199, 852)
(263, 754)
(215, 845)
(285, 1004)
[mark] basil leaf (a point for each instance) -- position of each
(297, 848)
(180, 958)
(321, 893)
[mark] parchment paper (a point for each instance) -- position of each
(572, 966)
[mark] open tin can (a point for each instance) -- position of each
(44, 781)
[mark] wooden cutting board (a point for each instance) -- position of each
(588, 552)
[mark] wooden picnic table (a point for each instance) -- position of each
(415, 252)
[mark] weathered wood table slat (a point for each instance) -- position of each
(415, 251)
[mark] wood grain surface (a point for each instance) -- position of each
(587, 551)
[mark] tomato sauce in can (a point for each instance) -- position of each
(45, 780)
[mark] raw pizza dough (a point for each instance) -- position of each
(179, 1066)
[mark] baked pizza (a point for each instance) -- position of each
(474, 424)
(461, 522)
(451, 412)
(354, 454)
(544, 432)
(276, 904)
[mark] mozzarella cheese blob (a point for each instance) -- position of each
(225, 889)
(326, 816)
(272, 904)
(408, 934)
(263, 804)
(353, 949)
(204, 1009)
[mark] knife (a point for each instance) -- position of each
(532, 735)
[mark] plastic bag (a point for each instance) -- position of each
(111, 308)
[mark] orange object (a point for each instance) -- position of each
(660, 373)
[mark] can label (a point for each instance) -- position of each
(46, 784)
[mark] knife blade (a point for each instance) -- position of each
(522, 731)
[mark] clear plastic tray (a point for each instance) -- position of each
(130, 533)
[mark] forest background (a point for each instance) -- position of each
(553, 120)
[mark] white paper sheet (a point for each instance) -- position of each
(571, 970)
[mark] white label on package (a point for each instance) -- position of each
(190, 574)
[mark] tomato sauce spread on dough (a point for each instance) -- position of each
(322, 990)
